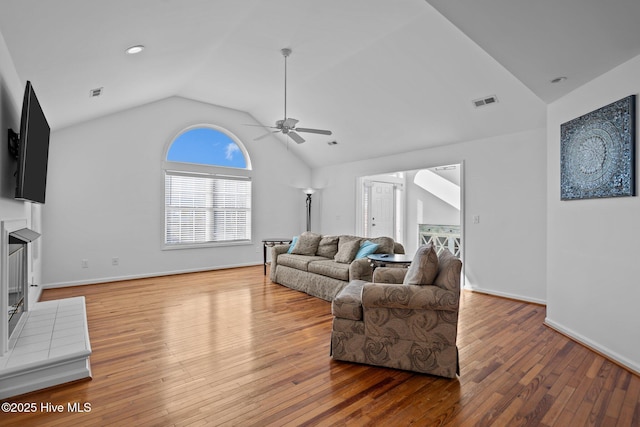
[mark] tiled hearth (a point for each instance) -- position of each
(51, 348)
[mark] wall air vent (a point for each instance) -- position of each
(487, 100)
(93, 93)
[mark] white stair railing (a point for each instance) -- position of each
(442, 236)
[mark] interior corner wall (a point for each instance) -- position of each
(106, 187)
(11, 91)
(504, 182)
(592, 245)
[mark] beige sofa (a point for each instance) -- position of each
(407, 319)
(322, 266)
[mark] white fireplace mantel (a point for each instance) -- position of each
(49, 345)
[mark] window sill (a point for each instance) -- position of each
(206, 245)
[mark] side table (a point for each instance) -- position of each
(271, 241)
(381, 260)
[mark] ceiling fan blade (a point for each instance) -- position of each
(251, 124)
(260, 126)
(265, 135)
(297, 138)
(320, 131)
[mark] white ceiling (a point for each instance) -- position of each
(385, 76)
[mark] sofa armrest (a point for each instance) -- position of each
(389, 274)
(275, 251)
(416, 297)
(360, 269)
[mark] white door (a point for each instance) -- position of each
(381, 221)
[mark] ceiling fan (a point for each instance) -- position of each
(288, 125)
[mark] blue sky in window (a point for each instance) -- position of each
(206, 146)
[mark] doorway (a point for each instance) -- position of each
(412, 206)
(381, 219)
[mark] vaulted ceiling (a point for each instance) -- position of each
(385, 76)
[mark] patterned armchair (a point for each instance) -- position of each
(410, 326)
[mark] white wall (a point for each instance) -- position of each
(105, 195)
(11, 92)
(505, 184)
(593, 285)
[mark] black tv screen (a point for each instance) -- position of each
(33, 151)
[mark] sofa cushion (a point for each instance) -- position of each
(385, 245)
(307, 244)
(328, 246)
(347, 249)
(330, 268)
(348, 303)
(424, 267)
(299, 262)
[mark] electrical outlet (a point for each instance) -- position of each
(115, 261)
(476, 219)
(85, 263)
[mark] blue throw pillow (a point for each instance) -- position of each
(366, 248)
(293, 244)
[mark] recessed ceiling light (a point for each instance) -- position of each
(134, 49)
(558, 79)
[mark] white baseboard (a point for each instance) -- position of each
(609, 354)
(506, 295)
(142, 276)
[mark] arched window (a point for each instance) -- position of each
(207, 179)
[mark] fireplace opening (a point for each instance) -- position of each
(17, 282)
(18, 270)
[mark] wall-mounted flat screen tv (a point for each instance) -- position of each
(33, 150)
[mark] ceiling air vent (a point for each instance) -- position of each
(485, 101)
(93, 93)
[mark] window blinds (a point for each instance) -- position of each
(202, 208)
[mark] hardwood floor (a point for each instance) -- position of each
(230, 348)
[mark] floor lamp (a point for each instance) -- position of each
(309, 192)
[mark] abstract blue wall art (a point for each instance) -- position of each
(597, 153)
